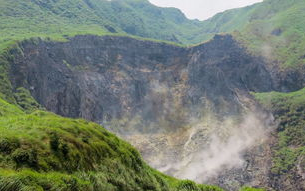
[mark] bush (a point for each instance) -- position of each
(54, 141)
(64, 149)
(25, 157)
(8, 145)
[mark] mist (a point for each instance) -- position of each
(223, 151)
(191, 142)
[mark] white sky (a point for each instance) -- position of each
(203, 9)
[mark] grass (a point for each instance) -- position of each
(289, 110)
(8, 109)
(273, 28)
(43, 151)
(5, 84)
(22, 19)
(251, 189)
(25, 100)
(276, 31)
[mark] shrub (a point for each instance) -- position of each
(54, 141)
(25, 157)
(8, 145)
(64, 149)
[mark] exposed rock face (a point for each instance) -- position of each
(160, 97)
(100, 78)
(97, 78)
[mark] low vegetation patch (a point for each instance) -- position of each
(289, 111)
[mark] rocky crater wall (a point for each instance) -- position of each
(105, 78)
(168, 101)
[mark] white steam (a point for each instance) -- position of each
(222, 152)
(192, 145)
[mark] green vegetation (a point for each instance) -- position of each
(43, 151)
(251, 189)
(276, 30)
(24, 99)
(21, 19)
(7, 109)
(273, 28)
(289, 110)
(5, 84)
(225, 22)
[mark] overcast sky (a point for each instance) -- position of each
(203, 9)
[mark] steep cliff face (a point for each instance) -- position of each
(101, 78)
(168, 101)
(98, 78)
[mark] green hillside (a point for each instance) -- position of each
(277, 31)
(31, 18)
(273, 28)
(225, 22)
(289, 111)
(43, 151)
